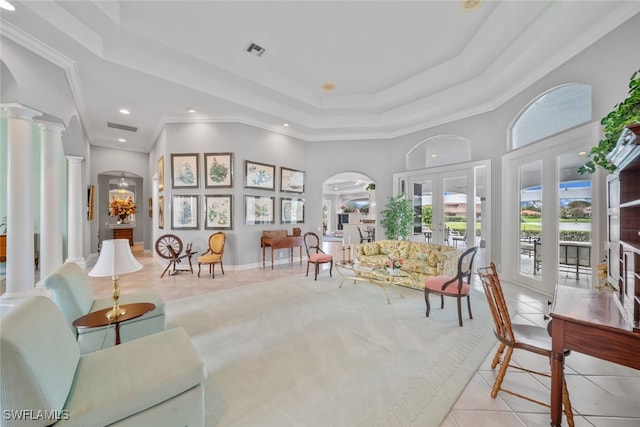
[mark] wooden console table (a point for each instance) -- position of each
(592, 323)
(123, 231)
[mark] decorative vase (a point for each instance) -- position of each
(122, 218)
(393, 271)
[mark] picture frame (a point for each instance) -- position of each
(218, 170)
(291, 180)
(259, 210)
(161, 174)
(291, 210)
(185, 212)
(161, 212)
(90, 201)
(259, 175)
(218, 212)
(184, 170)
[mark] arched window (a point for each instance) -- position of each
(552, 112)
(438, 151)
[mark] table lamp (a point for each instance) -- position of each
(114, 260)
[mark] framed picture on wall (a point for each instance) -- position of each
(259, 210)
(291, 211)
(259, 175)
(185, 212)
(218, 170)
(161, 212)
(291, 180)
(161, 173)
(218, 213)
(184, 170)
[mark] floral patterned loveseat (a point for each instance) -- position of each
(419, 260)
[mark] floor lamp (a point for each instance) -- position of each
(115, 259)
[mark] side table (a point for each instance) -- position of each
(98, 318)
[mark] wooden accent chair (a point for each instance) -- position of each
(214, 254)
(455, 286)
(315, 255)
(532, 338)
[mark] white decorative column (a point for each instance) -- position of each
(75, 211)
(20, 277)
(50, 196)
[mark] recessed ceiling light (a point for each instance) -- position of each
(124, 111)
(122, 140)
(434, 155)
(191, 110)
(4, 4)
(328, 86)
(582, 153)
(470, 4)
(285, 125)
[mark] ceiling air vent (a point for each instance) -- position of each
(122, 127)
(255, 49)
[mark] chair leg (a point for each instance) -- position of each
(330, 268)
(469, 306)
(501, 373)
(441, 301)
(316, 271)
(308, 268)
(426, 299)
(496, 358)
(199, 265)
(459, 310)
(221, 267)
(213, 271)
(567, 403)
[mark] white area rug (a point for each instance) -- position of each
(294, 352)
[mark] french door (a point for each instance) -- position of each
(448, 204)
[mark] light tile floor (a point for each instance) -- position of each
(602, 394)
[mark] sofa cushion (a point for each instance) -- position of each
(38, 359)
(120, 381)
(70, 289)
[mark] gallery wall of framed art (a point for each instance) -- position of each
(204, 208)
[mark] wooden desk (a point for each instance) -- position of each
(592, 323)
(99, 318)
(278, 239)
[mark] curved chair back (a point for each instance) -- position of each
(465, 267)
(311, 243)
(216, 242)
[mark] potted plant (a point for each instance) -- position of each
(625, 113)
(397, 218)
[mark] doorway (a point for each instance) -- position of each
(450, 203)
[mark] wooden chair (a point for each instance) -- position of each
(214, 254)
(453, 286)
(315, 255)
(532, 338)
(363, 238)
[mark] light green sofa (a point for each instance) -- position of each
(151, 381)
(420, 260)
(70, 289)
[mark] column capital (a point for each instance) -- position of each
(75, 159)
(48, 125)
(18, 111)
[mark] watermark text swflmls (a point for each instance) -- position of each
(35, 414)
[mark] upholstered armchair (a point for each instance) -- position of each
(71, 291)
(152, 381)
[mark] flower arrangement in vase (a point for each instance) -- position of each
(122, 208)
(394, 265)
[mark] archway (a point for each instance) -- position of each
(115, 181)
(348, 202)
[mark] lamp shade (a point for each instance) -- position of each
(115, 259)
